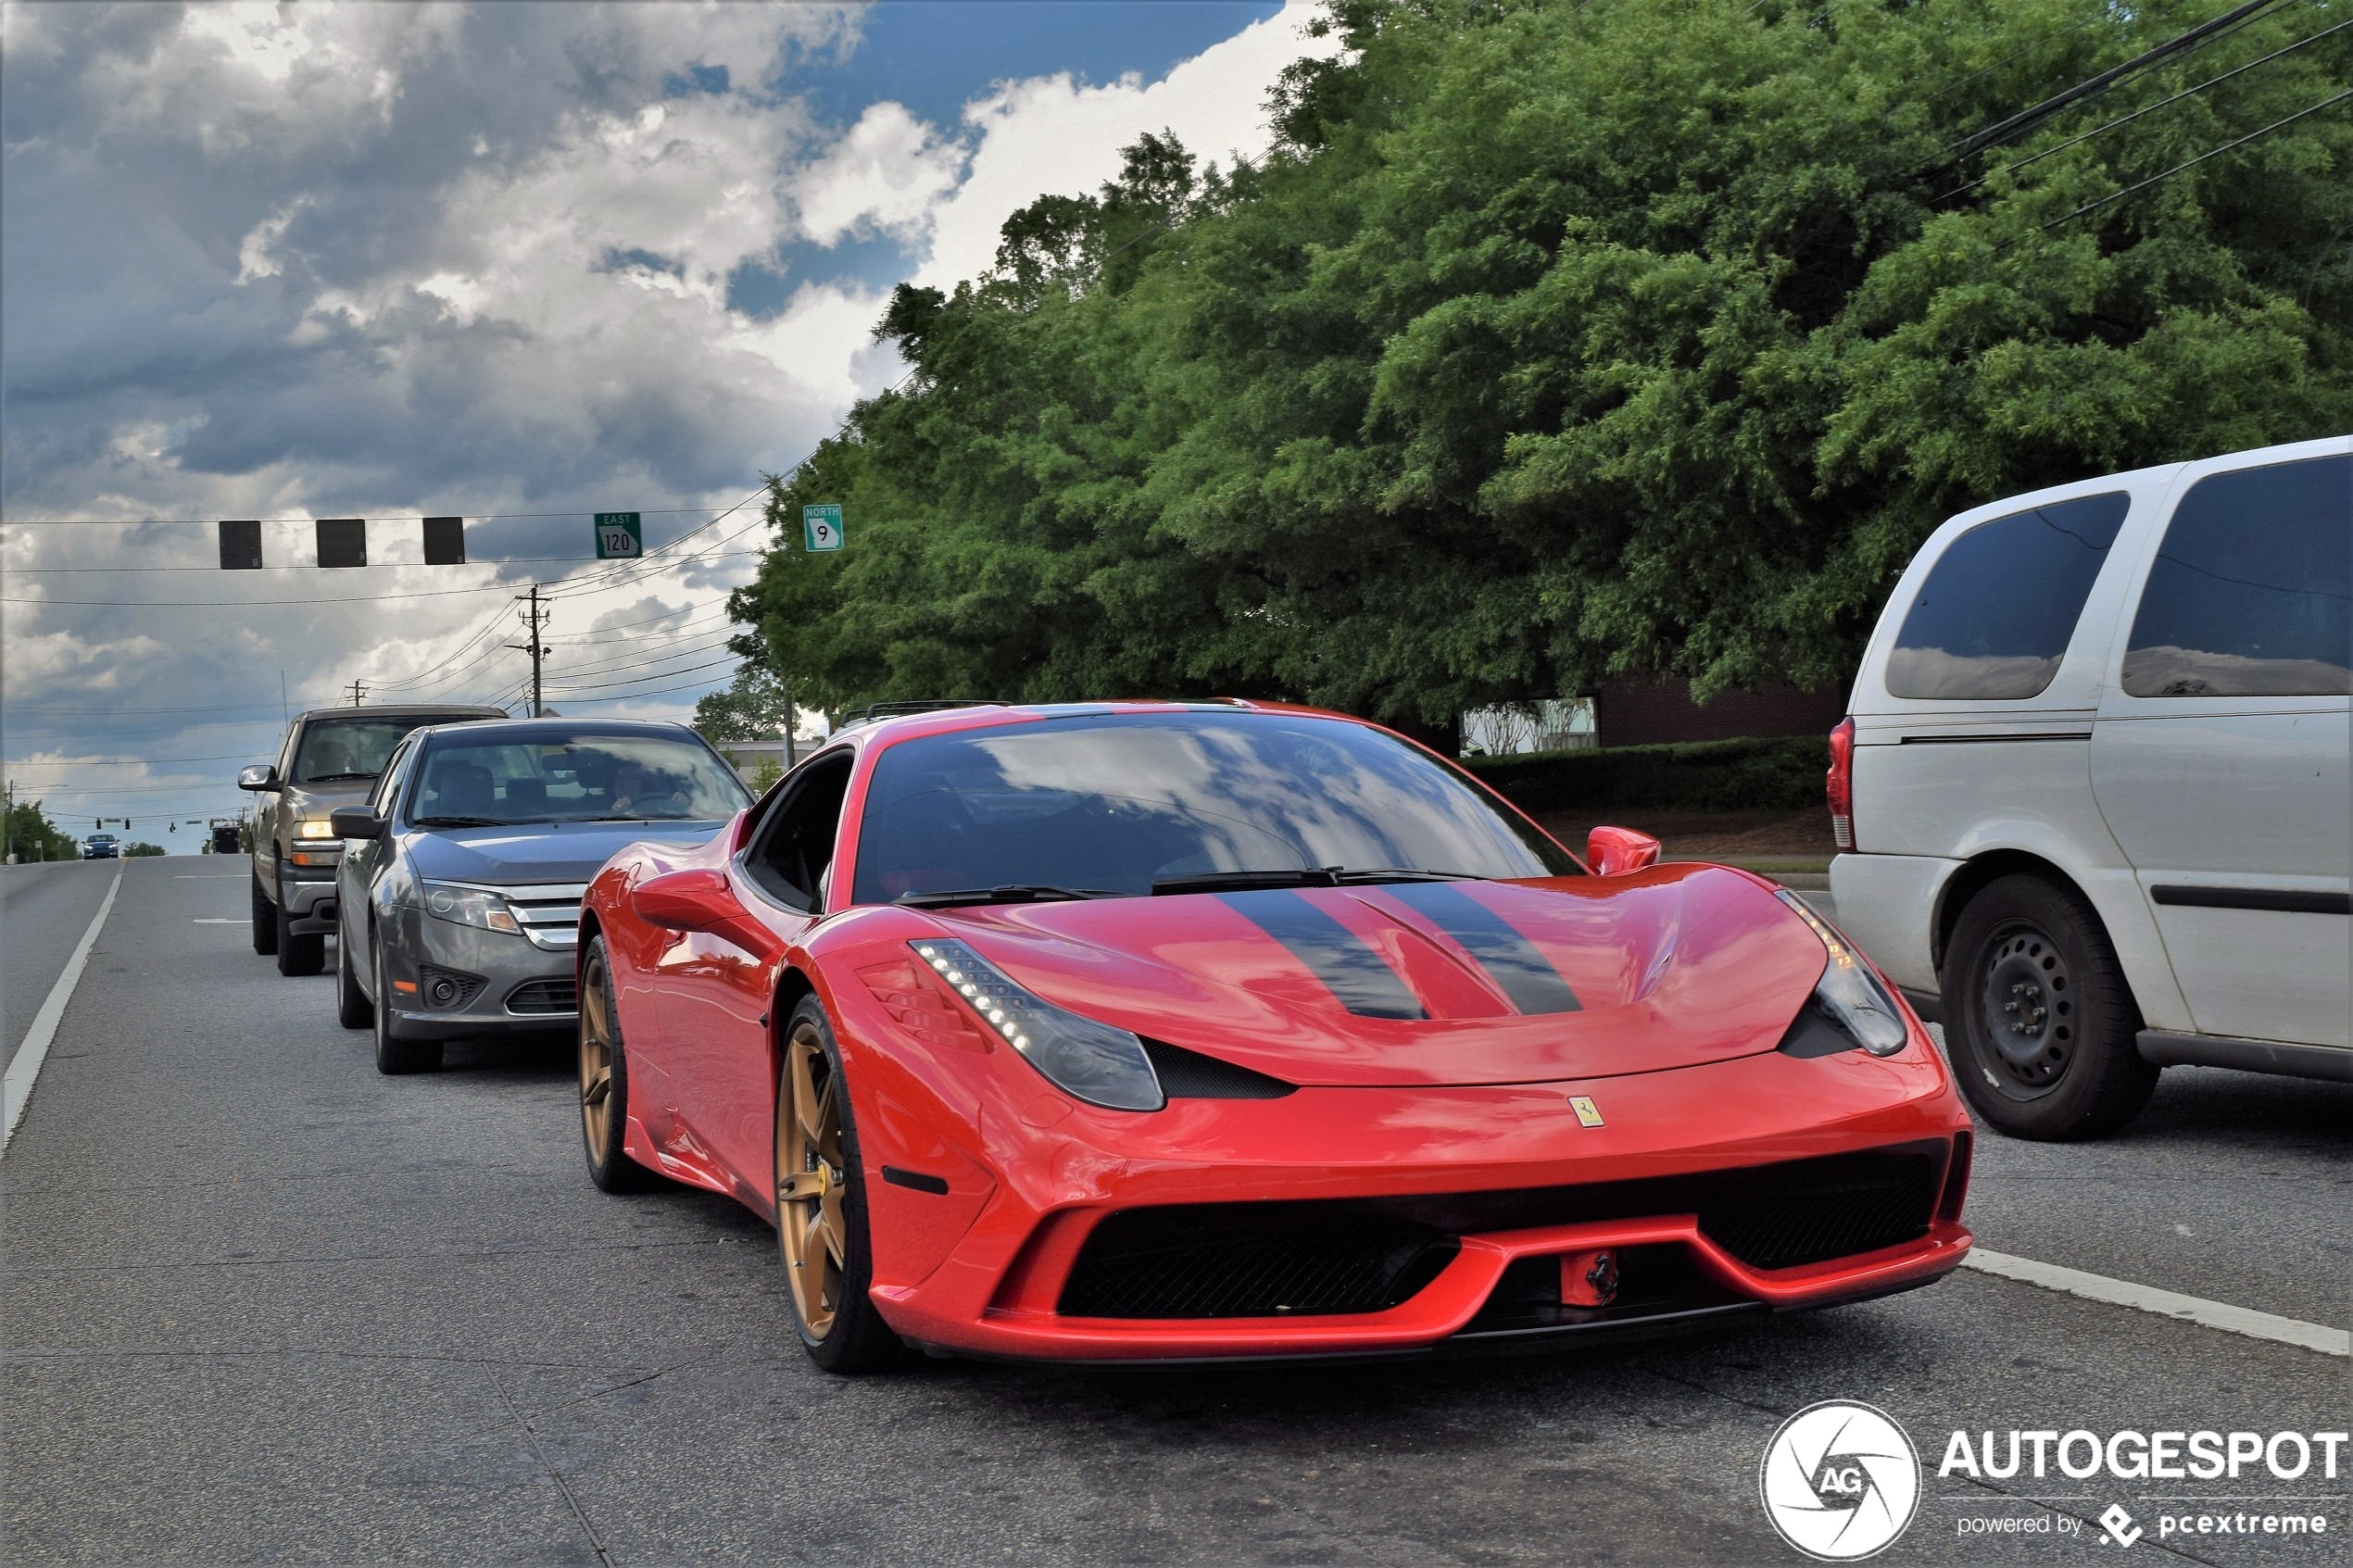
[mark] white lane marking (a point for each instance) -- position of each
(2165, 1303)
(25, 1066)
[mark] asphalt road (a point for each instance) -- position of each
(263, 1304)
(44, 910)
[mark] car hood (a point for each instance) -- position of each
(537, 852)
(1453, 983)
(319, 800)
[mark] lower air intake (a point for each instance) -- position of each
(1224, 1260)
(544, 996)
(1823, 1209)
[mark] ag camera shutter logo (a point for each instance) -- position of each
(1840, 1481)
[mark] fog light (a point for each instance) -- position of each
(1589, 1279)
(443, 993)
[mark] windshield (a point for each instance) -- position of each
(572, 778)
(1122, 801)
(337, 750)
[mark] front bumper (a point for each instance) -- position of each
(1509, 1175)
(312, 904)
(505, 983)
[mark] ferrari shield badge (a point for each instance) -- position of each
(1588, 1113)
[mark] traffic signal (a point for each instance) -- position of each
(445, 541)
(240, 545)
(343, 541)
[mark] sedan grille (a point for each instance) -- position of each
(549, 915)
(545, 996)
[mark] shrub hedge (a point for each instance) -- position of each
(1782, 773)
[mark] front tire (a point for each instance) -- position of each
(299, 953)
(353, 1010)
(2039, 1020)
(265, 921)
(820, 1204)
(395, 1055)
(604, 1079)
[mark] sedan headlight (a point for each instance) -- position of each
(470, 905)
(1848, 993)
(1094, 1062)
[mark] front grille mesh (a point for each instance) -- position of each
(1833, 1213)
(1207, 1262)
(1189, 1075)
(544, 996)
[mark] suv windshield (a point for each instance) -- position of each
(338, 750)
(556, 777)
(1119, 803)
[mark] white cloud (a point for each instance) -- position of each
(888, 175)
(1053, 135)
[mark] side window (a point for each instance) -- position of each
(389, 786)
(1994, 617)
(793, 856)
(2252, 593)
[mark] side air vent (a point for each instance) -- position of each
(1189, 1075)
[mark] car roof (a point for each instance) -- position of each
(406, 710)
(521, 731)
(992, 715)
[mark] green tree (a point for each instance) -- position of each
(1559, 341)
(754, 706)
(31, 834)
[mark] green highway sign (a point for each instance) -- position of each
(620, 536)
(821, 527)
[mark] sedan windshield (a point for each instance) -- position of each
(1138, 803)
(571, 778)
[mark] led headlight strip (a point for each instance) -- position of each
(1849, 993)
(1094, 1062)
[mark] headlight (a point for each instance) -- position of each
(1098, 1064)
(315, 830)
(469, 906)
(1849, 993)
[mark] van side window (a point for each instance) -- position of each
(2000, 603)
(2252, 593)
(795, 851)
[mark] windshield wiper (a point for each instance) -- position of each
(1300, 877)
(338, 778)
(460, 823)
(1011, 893)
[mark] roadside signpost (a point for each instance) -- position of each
(821, 527)
(620, 536)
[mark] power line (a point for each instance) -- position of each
(2192, 163)
(125, 761)
(380, 517)
(1955, 86)
(656, 675)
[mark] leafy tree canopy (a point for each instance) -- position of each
(1560, 340)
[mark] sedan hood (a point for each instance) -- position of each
(538, 852)
(1456, 983)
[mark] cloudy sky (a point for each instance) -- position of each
(515, 262)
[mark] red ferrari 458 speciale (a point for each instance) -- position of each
(1164, 1031)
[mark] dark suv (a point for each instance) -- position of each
(330, 757)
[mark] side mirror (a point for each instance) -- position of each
(261, 775)
(355, 822)
(688, 900)
(1616, 851)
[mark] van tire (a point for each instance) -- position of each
(2040, 1024)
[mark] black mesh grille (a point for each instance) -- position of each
(544, 996)
(447, 987)
(1189, 1075)
(1222, 1261)
(1832, 1211)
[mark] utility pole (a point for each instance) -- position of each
(535, 618)
(358, 691)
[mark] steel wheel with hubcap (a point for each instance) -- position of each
(2039, 1022)
(604, 1079)
(820, 1211)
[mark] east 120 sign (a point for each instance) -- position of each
(620, 536)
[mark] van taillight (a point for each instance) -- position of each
(1842, 784)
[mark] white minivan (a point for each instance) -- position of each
(2093, 785)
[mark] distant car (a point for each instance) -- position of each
(1165, 1033)
(464, 870)
(330, 756)
(2093, 785)
(101, 847)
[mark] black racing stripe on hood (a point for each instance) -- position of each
(1527, 976)
(1345, 963)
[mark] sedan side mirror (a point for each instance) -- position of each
(261, 775)
(355, 822)
(688, 900)
(1616, 851)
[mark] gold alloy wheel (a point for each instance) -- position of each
(809, 1176)
(596, 1059)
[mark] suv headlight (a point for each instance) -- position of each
(314, 830)
(470, 905)
(1094, 1062)
(1848, 993)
